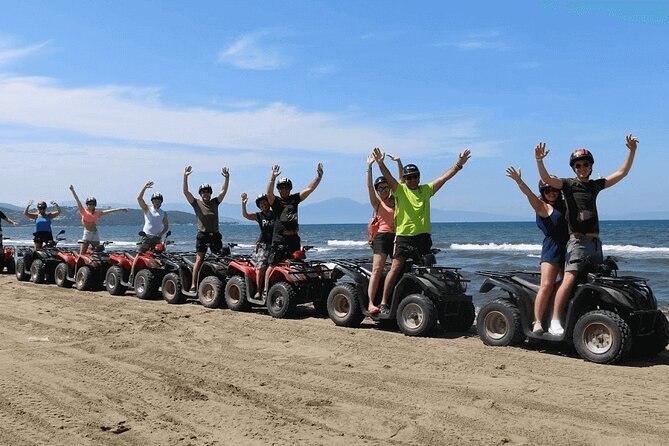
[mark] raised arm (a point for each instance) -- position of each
(55, 213)
(373, 200)
(390, 179)
(276, 171)
(111, 211)
(224, 188)
(400, 167)
(540, 153)
(76, 198)
(539, 206)
(450, 173)
(314, 184)
(140, 196)
(245, 214)
(10, 221)
(189, 197)
(27, 213)
(631, 143)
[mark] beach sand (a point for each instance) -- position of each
(89, 368)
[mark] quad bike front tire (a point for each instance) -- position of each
(21, 274)
(38, 271)
(235, 294)
(281, 300)
(416, 315)
(343, 306)
(499, 323)
(60, 275)
(84, 279)
(172, 289)
(114, 281)
(602, 336)
(146, 284)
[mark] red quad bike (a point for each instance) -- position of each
(149, 271)
(87, 272)
(210, 282)
(38, 265)
(7, 259)
(293, 282)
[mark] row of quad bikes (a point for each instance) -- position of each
(608, 317)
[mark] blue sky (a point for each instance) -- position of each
(108, 95)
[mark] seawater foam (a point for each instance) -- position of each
(608, 249)
(348, 243)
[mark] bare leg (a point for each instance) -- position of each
(268, 274)
(199, 259)
(395, 270)
(378, 262)
(549, 272)
(562, 296)
(260, 276)
(83, 248)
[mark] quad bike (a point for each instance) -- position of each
(87, 272)
(147, 276)
(39, 265)
(423, 294)
(210, 282)
(607, 317)
(293, 282)
(7, 260)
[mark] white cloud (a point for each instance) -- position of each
(9, 54)
(482, 40)
(253, 52)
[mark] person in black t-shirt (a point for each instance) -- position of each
(8, 220)
(580, 196)
(286, 239)
(265, 220)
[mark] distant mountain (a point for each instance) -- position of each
(9, 207)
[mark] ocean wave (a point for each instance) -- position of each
(348, 243)
(608, 249)
(622, 249)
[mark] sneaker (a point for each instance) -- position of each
(383, 308)
(256, 296)
(537, 328)
(556, 328)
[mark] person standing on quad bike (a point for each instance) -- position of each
(89, 218)
(286, 239)
(550, 209)
(265, 219)
(384, 210)
(42, 219)
(412, 215)
(580, 196)
(155, 222)
(206, 213)
(8, 220)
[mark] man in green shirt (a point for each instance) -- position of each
(412, 215)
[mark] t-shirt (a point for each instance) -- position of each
(43, 223)
(153, 221)
(285, 216)
(581, 201)
(266, 223)
(412, 209)
(88, 216)
(2, 216)
(386, 217)
(207, 214)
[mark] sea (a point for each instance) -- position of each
(640, 247)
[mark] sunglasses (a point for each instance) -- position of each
(581, 165)
(551, 191)
(383, 189)
(411, 177)
(41, 207)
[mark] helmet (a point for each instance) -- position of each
(379, 180)
(204, 188)
(580, 154)
(543, 187)
(41, 205)
(91, 200)
(284, 181)
(260, 198)
(410, 169)
(157, 196)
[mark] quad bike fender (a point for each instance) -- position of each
(357, 279)
(240, 268)
(407, 280)
(510, 287)
(611, 296)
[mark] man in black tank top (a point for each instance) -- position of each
(580, 196)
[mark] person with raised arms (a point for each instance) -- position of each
(206, 213)
(3, 216)
(286, 238)
(43, 232)
(156, 223)
(580, 194)
(89, 218)
(412, 215)
(265, 220)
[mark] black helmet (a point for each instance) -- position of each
(91, 200)
(41, 205)
(204, 188)
(260, 198)
(410, 169)
(543, 187)
(379, 180)
(580, 154)
(157, 196)
(284, 181)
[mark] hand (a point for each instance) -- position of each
(15, 223)
(464, 157)
(188, 170)
(72, 188)
(632, 141)
(370, 160)
(319, 170)
(245, 198)
(378, 155)
(225, 172)
(393, 157)
(514, 174)
(30, 203)
(276, 171)
(540, 151)
(148, 185)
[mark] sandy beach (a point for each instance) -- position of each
(89, 368)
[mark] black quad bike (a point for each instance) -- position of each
(210, 282)
(39, 265)
(423, 294)
(607, 317)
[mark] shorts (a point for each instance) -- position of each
(383, 243)
(90, 236)
(42, 236)
(412, 246)
(580, 248)
(284, 250)
(147, 243)
(261, 256)
(211, 240)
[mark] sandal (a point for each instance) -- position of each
(373, 310)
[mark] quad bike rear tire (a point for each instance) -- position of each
(499, 323)
(235, 294)
(114, 281)
(281, 300)
(343, 306)
(21, 274)
(146, 284)
(60, 275)
(172, 289)
(417, 315)
(38, 271)
(84, 279)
